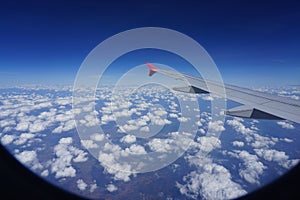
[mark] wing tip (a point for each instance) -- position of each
(152, 69)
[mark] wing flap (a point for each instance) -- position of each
(249, 112)
(190, 89)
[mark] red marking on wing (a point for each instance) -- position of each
(152, 69)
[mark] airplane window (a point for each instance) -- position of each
(139, 115)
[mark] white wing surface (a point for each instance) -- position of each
(257, 105)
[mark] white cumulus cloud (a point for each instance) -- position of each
(252, 168)
(29, 158)
(238, 126)
(216, 126)
(65, 154)
(81, 185)
(89, 144)
(111, 188)
(128, 139)
(23, 138)
(209, 181)
(7, 139)
(286, 125)
(238, 143)
(277, 156)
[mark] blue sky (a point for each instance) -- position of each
(253, 43)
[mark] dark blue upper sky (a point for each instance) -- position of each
(252, 42)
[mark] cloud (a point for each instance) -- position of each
(238, 126)
(261, 144)
(67, 140)
(294, 97)
(208, 144)
(6, 130)
(173, 115)
(23, 138)
(159, 121)
(238, 143)
(65, 116)
(97, 137)
(107, 118)
(61, 165)
(276, 156)
(65, 126)
(29, 158)
(259, 141)
(160, 145)
(176, 142)
(289, 95)
(127, 128)
(183, 119)
(37, 126)
(128, 139)
(271, 154)
(145, 129)
(109, 158)
(7, 112)
(91, 120)
(216, 126)
(157, 117)
(287, 140)
(79, 155)
(202, 131)
(111, 166)
(199, 123)
(7, 122)
(207, 97)
(286, 125)
(65, 153)
(48, 115)
(64, 101)
(251, 136)
(93, 187)
(124, 113)
(173, 106)
(45, 173)
(7, 139)
(22, 126)
(252, 168)
(81, 185)
(111, 188)
(209, 181)
(135, 150)
(160, 112)
(89, 144)
(42, 105)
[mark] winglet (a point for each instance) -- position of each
(152, 69)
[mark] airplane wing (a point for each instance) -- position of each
(256, 105)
